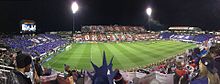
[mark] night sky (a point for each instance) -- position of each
(55, 15)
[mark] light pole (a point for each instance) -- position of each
(149, 11)
(74, 8)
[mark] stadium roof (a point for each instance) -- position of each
(186, 28)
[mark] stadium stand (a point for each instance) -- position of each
(113, 33)
(38, 45)
(114, 28)
(200, 38)
(194, 66)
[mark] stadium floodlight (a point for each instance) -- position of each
(149, 11)
(74, 7)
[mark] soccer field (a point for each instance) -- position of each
(126, 55)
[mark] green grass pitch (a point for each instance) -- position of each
(126, 55)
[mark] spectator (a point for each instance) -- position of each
(179, 73)
(38, 67)
(184, 79)
(118, 77)
(68, 71)
(214, 53)
(23, 62)
(207, 73)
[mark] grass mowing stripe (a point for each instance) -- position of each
(149, 56)
(148, 46)
(161, 54)
(84, 61)
(116, 62)
(96, 54)
(183, 48)
(62, 56)
(127, 53)
(124, 61)
(73, 59)
(166, 48)
(133, 52)
(140, 50)
(59, 61)
(178, 46)
(75, 55)
(148, 51)
(180, 50)
(139, 54)
(157, 46)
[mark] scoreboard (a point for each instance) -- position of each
(28, 26)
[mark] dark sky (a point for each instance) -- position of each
(54, 15)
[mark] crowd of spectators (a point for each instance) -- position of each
(102, 33)
(36, 45)
(187, 38)
(113, 28)
(112, 37)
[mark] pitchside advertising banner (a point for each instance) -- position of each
(159, 78)
(164, 78)
(155, 77)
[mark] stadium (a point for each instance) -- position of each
(109, 53)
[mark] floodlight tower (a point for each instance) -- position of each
(149, 12)
(74, 8)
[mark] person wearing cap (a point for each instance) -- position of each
(23, 64)
(208, 73)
